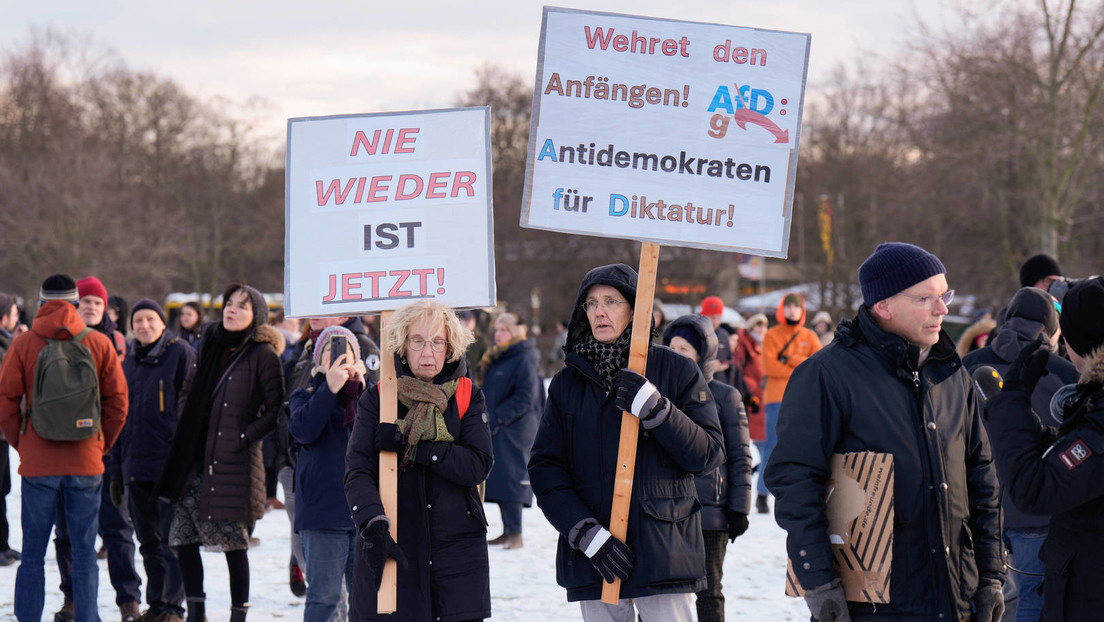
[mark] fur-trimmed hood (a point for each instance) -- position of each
(1094, 368)
(266, 333)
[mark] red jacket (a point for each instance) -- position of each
(39, 457)
(746, 357)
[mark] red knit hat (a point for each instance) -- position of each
(91, 286)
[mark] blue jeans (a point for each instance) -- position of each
(1025, 549)
(329, 559)
(118, 540)
(770, 414)
(79, 497)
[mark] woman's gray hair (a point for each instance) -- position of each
(398, 328)
(513, 323)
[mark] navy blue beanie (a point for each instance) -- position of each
(893, 268)
(1082, 309)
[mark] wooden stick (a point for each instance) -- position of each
(638, 361)
(387, 596)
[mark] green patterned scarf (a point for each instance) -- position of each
(426, 402)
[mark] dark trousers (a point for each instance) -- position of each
(511, 517)
(118, 537)
(710, 601)
(5, 488)
(152, 518)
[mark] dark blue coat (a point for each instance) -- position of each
(317, 422)
(441, 526)
(514, 394)
(158, 385)
(574, 461)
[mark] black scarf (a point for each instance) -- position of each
(606, 358)
(186, 453)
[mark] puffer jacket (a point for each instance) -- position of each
(802, 343)
(726, 489)
(159, 383)
(574, 458)
(243, 410)
(1060, 473)
(865, 392)
(441, 526)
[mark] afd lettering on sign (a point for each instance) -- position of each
(385, 285)
(745, 105)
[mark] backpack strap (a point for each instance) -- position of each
(79, 337)
(463, 395)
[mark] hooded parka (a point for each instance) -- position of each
(792, 342)
(865, 392)
(573, 463)
(512, 388)
(441, 526)
(727, 488)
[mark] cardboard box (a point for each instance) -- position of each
(860, 516)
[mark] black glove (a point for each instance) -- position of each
(115, 491)
(989, 601)
(611, 557)
(737, 525)
(1024, 373)
(827, 603)
(633, 393)
(379, 545)
(388, 438)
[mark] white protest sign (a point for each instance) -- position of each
(672, 132)
(383, 209)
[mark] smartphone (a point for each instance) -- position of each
(338, 347)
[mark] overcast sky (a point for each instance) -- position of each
(351, 56)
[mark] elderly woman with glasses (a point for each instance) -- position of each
(444, 447)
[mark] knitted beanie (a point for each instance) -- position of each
(1082, 310)
(58, 287)
(325, 338)
(688, 333)
(893, 268)
(148, 304)
(1038, 268)
(91, 286)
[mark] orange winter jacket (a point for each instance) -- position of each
(39, 457)
(802, 347)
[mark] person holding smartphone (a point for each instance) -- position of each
(321, 420)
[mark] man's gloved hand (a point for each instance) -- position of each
(388, 438)
(611, 557)
(827, 603)
(115, 490)
(1024, 372)
(380, 545)
(633, 393)
(737, 525)
(989, 601)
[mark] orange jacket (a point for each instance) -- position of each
(802, 347)
(39, 457)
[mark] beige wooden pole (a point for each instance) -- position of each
(638, 360)
(387, 596)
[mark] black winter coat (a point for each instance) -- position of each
(515, 395)
(863, 392)
(574, 461)
(243, 410)
(441, 526)
(1060, 473)
(726, 489)
(1003, 348)
(158, 385)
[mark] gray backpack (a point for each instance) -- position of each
(65, 400)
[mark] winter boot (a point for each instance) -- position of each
(237, 612)
(499, 540)
(761, 504)
(513, 541)
(297, 581)
(130, 612)
(67, 613)
(197, 608)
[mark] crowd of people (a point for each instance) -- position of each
(177, 432)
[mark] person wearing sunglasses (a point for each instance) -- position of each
(891, 382)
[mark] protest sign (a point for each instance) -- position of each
(384, 209)
(663, 131)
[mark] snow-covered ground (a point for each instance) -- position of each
(523, 581)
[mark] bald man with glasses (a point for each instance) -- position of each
(891, 382)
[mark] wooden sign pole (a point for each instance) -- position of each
(638, 360)
(387, 596)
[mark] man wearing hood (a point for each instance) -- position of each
(1060, 471)
(891, 382)
(59, 477)
(785, 346)
(725, 492)
(1031, 315)
(574, 461)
